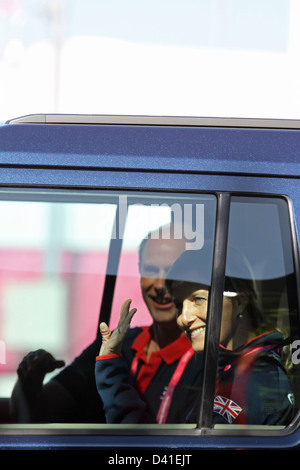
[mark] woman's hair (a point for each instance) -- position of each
(194, 267)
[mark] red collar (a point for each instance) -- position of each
(169, 353)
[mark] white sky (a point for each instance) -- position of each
(236, 58)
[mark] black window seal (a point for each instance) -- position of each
(295, 248)
(213, 326)
(114, 255)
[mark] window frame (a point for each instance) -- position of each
(204, 425)
(221, 229)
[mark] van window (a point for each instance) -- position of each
(255, 382)
(69, 260)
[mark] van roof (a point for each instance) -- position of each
(155, 120)
(154, 143)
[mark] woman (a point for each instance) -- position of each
(252, 385)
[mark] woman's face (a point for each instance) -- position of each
(193, 315)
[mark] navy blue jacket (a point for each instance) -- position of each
(79, 379)
(127, 400)
(252, 388)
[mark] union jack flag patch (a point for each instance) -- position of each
(227, 408)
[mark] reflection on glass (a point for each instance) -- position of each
(52, 270)
(51, 291)
(255, 376)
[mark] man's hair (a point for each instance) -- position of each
(164, 232)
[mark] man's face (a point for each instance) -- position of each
(157, 258)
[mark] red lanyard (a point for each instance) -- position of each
(167, 399)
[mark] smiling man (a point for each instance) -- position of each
(160, 354)
(156, 258)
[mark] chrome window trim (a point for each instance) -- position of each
(97, 119)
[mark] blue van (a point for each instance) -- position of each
(78, 195)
